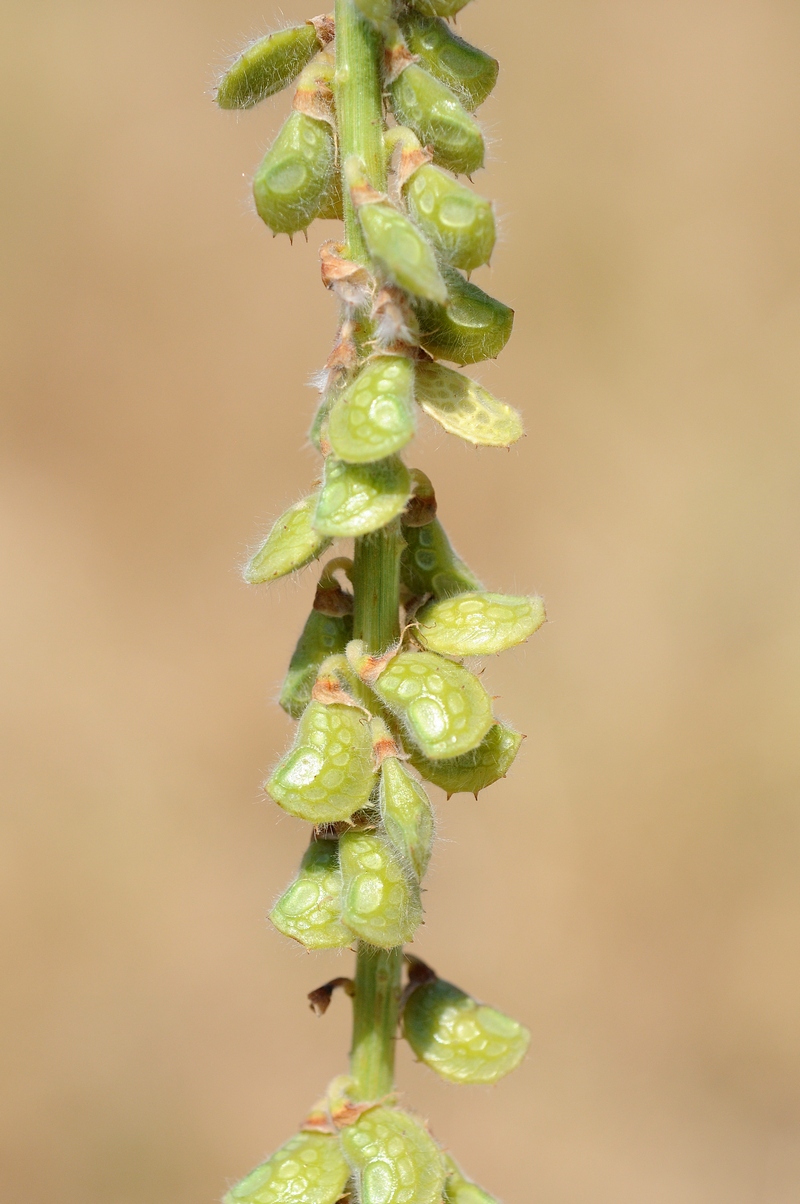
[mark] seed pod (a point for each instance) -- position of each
(379, 12)
(358, 498)
(478, 624)
(291, 544)
(444, 707)
(430, 566)
(309, 911)
(327, 774)
(472, 772)
(267, 67)
(439, 120)
(458, 1189)
(308, 1167)
(407, 815)
(458, 222)
(322, 636)
(439, 8)
(465, 408)
(293, 184)
(473, 327)
(373, 417)
(393, 1158)
(470, 72)
(380, 899)
(462, 1040)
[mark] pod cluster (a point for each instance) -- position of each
(372, 729)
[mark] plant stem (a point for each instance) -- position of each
(376, 561)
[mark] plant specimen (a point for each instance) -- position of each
(381, 126)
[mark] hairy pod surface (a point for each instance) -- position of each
(308, 1167)
(294, 183)
(439, 119)
(462, 1040)
(471, 328)
(393, 1158)
(478, 624)
(443, 706)
(380, 899)
(470, 72)
(309, 911)
(407, 815)
(322, 636)
(327, 774)
(357, 499)
(379, 12)
(373, 417)
(267, 67)
(402, 251)
(458, 1189)
(464, 408)
(458, 222)
(430, 566)
(474, 771)
(291, 544)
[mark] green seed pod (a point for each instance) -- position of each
(373, 417)
(458, 1189)
(439, 120)
(356, 499)
(267, 67)
(407, 815)
(473, 327)
(308, 1167)
(327, 774)
(474, 771)
(322, 636)
(444, 707)
(379, 12)
(430, 566)
(380, 899)
(470, 72)
(478, 624)
(462, 1040)
(465, 408)
(393, 1158)
(291, 544)
(294, 182)
(439, 8)
(458, 222)
(309, 911)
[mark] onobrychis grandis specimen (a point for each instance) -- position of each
(381, 127)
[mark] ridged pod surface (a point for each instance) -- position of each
(402, 251)
(380, 899)
(472, 327)
(373, 417)
(292, 543)
(406, 814)
(464, 408)
(322, 636)
(267, 67)
(309, 911)
(458, 222)
(430, 566)
(439, 119)
(357, 499)
(443, 706)
(475, 770)
(308, 1167)
(327, 774)
(458, 1189)
(393, 1158)
(462, 1040)
(478, 624)
(470, 72)
(294, 182)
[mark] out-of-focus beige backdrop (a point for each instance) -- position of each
(632, 891)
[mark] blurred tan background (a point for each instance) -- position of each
(632, 891)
